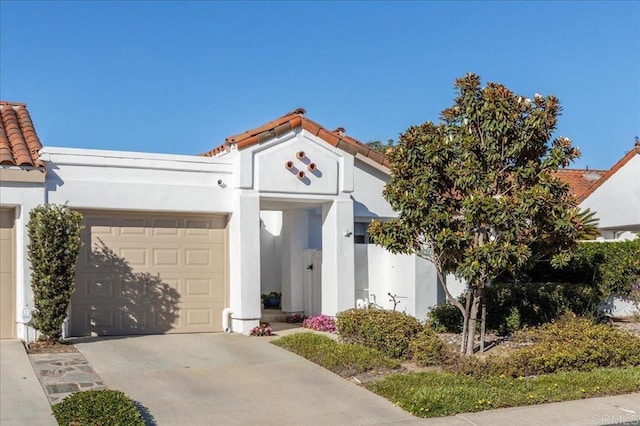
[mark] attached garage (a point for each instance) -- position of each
(7, 275)
(150, 273)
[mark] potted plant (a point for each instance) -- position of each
(271, 300)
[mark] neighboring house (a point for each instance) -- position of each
(613, 194)
(178, 243)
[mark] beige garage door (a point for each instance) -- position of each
(7, 277)
(150, 273)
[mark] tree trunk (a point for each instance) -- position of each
(483, 325)
(465, 320)
(473, 320)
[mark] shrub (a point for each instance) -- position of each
(426, 349)
(388, 331)
(341, 358)
(320, 323)
(570, 343)
(98, 407)
(573, 343)
(446, 318)
(54, 242)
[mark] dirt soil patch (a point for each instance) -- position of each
(49, 347)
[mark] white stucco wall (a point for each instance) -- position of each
(22, 198)
(413, 280)
(369, 182)
(92, 179)
(617, 201)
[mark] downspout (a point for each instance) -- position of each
(226, 314)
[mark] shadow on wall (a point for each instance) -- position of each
(120, 301)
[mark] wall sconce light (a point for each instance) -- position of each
(346, 232)
(221, 183)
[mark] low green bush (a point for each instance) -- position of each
(446, 318)
(568, 344)
(388, 331)
(573, 343)
(98, 408)
(426, 349)
(341, 358)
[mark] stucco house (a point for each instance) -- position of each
(178, 243)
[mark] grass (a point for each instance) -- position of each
(341, 358)
(435, 394)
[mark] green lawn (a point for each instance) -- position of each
(435, 394)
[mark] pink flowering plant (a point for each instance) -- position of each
(320, 323)
(262, 330)
(296, 318)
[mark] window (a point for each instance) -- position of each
(361, 233)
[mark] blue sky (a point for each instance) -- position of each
(178, 77)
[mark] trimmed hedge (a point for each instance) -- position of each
(98, 408)
(388, 331)
(54, 243)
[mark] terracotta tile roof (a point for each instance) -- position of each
(624, 160)
(292, 120)
(19, 143)
(580, 180)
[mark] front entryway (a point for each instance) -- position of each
(150, 273)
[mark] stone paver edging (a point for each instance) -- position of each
(61, 374)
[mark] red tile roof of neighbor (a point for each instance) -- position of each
(293, 120)
(580, 180)
(19, 143)
(624, 160)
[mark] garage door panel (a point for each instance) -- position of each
(151, 274)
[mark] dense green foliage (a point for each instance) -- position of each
(341, 358)
(569, 344)
(477, 193)
(98, 408)
(433, 394)
(543, 293)
(54, 243)
(513, 306)
(426, 349)
(610, 267)
(388, 331)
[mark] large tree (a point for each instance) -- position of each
(477, 194)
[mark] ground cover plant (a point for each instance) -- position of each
(98, 407)
(435, 394)
(344, 359)
(320, 323)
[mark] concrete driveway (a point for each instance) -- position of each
(204, 379)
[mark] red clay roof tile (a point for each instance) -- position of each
(580, 180)
(293, 120)
(19, 142)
